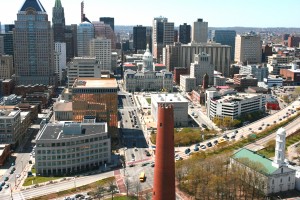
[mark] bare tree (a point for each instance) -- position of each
(112, 189)
(99, 192)
(127, 185)
(137, 186)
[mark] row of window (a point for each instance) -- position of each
(72, 143)
(82, 149)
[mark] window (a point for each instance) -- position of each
(281, 170)
(160, 124)
(289, 178)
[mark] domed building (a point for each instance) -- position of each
(148, 79)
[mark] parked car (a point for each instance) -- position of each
(152, 164)
(188, 150)
(209, 144)
(202, 146)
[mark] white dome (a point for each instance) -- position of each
(147, 60)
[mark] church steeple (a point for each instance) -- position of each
(58, 22)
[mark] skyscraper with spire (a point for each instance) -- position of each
(33, 46)
(58, 22)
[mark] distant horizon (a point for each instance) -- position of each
(218, 13)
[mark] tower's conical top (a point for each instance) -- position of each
(57, 4)
(35, 4)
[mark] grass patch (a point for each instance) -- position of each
(188, 136)
(72, 191)
(38, 179)
(33, 170)
(148, 100)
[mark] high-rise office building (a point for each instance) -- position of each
(1, 45)
(58, 22)
(200, 31)
(8, 28)
(202, 66)
(71, 41)
(248, 48)
(8, 43)
(185, 33)
(164, 171)
(108, 20)
(34, 59)
(60, 59)
(100, 48)
(6, 66)
(139, 38)
(85, 33)
(162, 34)
(225, 37)
(105, 31)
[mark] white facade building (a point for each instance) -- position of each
(100, 48)
(259, 72)
(71, 147)
(248, 48)
(233, 105)
(180, 105)
(187, 83)
(60, 59)
(200, 31)
(83, 67)
(273, 81)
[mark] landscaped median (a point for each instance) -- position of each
(84, 188)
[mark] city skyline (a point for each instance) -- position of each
(258, 13)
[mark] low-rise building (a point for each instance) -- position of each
(187, 83)
(180, 106)
(63, 111)
(219, 80)
(69, 147)
(10, 127)
(291, 76)
(178, 71)
(273, 81)
(233, 105)
(4, 153)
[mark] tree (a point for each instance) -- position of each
(112, 189)
(137, 186)
(99, 192)
(127, 185)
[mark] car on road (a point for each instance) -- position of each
(233, 137)
(178, 158)
(216, 142)
(202, 146)
(79, 196)
(131, 165)
(196, 148)
(135, 149)
(6, 178)
(188, 150)
(274, 122)
(259, 128)
(209, 144)
(6, 186)
(250, 129)
(152, 164)
(18, 176)
(144, 164)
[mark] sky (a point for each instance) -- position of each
(218, 13)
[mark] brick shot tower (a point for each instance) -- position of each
(164, 171)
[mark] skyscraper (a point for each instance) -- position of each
(248, 48)
(162, 34)
(85, 33)
(164, 171)
(139, 37)
(71, 41)
(108, 20)
(105, 31)
(58, 22)
(8, 42)
(34, 59)
(185, 33)
(8, 28)
(200, 31)
(225, 37)
(100, 48)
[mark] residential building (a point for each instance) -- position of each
(225, 37)
(200, 31)
(259, 72)
(139, 37)
(200, 66)
(34, 59)
(233, 105)
(162, 35)
(68, 148)
(85, 33)
(100, 48)
(96, 97)
(185, 33)
(179, 103)
(60, 58)
(6, 66)
(177, 55)
(109, 21)
(83, 67)
(58, 22)
(10, 127)
(248, 48)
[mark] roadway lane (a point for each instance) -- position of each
(57, 187)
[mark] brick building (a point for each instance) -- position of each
(177, 72)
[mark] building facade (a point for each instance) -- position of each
(100, 48)
(10, 127)
(179, 103)
(200, 66)
(233, 105)
(248, 48)
(103, 30)
(259, 72)
(200, 31)
(225, 37)
(34, 59)
(85, 33)
(139, 38)
(71, 41)
(8, 43)
(185, 33)
(60, 60)
(187, 83)
(109, 21)
(6, 66)
(81, 67)
(68, 148)
(58, 22)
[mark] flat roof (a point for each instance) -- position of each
(169, 98)
(54, 131)
(95, 83)
(62, 106)
(236, 97)
(8, 113)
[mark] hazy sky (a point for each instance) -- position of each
(218, 13)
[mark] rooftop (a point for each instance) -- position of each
(168, 98)
(95, 83)
(62, 106)
(9, 113)
(255, 157)
(35, 4)
(236, 97)
(63, 130)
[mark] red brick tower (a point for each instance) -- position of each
(164, 171)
